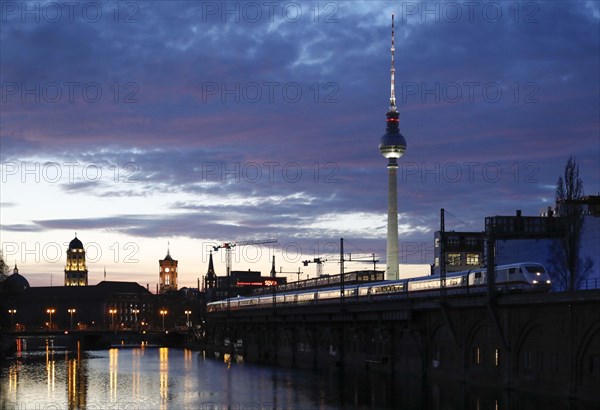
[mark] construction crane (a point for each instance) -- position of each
(228, 246)
(349, 257)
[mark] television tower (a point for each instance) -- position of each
(392, 146)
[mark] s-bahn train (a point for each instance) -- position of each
(517, 277)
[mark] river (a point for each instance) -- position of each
(170, 378)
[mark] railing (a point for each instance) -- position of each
(589, 284)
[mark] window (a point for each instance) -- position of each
(453, 241)
(595, 366)
(472, 259)
(476, 355)
(453, 259)
(527, 361)
(471, 241)
(167, 280)
(497, 357)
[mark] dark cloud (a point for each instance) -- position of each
(527, 98)
(21, 228)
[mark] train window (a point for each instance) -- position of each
(477, 275)
(512, 270)
(534, 269)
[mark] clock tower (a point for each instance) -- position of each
(168, 274)
(76, 273)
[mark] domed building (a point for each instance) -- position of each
(15, 283)
(76, 273)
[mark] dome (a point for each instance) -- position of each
(15, 283)
(75, 244)
(392, 145)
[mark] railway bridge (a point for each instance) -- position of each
(544, 342)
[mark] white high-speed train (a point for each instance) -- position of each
(524, 277)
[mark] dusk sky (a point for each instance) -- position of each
(146, 124)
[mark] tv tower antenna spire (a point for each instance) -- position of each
(392, 73)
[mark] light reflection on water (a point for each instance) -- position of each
(163, 378)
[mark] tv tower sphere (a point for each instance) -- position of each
(392, 145)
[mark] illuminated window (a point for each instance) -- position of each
(167, 280)
(472, 259)
(497, 358)
(453, 259)
(476, 355)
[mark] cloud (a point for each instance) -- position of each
(205, 111)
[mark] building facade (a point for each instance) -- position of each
(460, 251)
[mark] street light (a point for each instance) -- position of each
(135, 312)
(188, 313)
(50, 311)
(71, 311)
(163, 313)
(112, 312)
(12, 316)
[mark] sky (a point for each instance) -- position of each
(147, 126)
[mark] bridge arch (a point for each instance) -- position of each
(483, 351)
(588, 358)
(444, 353)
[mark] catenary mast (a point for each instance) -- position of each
(392, 146)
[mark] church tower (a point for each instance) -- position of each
(76, 273)
(168, 273)
(210, 280)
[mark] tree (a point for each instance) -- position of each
(4, 268)
(568, 268)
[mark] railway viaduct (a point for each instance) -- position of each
(548, 343)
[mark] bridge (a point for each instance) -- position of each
(543, 342)
(98, 339)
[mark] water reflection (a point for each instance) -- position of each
(50, 369)
(136, 357)
(141, 378)
(164, 375)
(113, 372)
(76, 380)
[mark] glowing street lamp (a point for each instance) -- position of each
(112, 312)
(188, 313)
(71, 311)
(163, 313)
(12, 316)
(50, 311)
